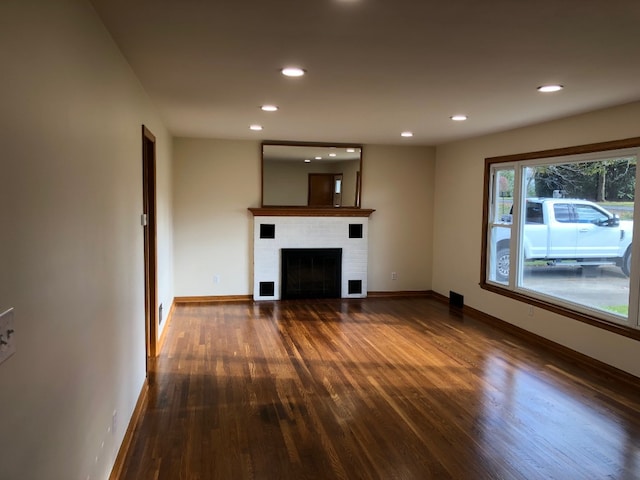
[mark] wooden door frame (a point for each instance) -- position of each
(150, 243)
(333, 177)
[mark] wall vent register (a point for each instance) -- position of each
(267, 289)
(267, 230)
(355, 230)
(355, 286)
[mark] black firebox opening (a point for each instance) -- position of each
(311, 273)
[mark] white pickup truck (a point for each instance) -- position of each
(560, 230)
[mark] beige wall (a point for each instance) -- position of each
(458, 224)
(287, 183)
(398, 183)
(71, 242)
(217, 180)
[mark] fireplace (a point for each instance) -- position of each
(302, 231)
(311, 273)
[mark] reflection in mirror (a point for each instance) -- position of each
(304, 175)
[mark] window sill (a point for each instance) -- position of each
(623, 330)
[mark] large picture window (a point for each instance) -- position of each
(559, 228)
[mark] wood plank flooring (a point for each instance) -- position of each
(372, 389)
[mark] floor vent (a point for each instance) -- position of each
(455, 299)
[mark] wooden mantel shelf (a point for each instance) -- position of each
(310, 212)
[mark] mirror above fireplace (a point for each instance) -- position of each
(311, 174)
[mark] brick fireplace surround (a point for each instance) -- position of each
(281, 227)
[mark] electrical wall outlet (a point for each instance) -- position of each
(216, 279)
(394, 275)
(7, 335)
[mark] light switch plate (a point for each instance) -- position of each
(7, 335)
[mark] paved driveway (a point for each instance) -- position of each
(599, 287)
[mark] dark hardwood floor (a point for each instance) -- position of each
(373, 389)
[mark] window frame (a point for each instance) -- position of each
(632, 328)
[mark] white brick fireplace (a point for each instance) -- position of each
(277, 229)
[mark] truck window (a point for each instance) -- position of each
(562, 212)
(534, 213)
(588, 214)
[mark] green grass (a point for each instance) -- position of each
(619, 309)
(536, 263)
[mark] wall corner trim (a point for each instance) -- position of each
(116, 471)
(213, 299)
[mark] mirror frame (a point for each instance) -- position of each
(282, 143)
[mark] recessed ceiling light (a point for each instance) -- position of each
(550, 88)
(318, 158)
(406, 134)
(332, 154)
(293, 71)
(306, 160)
(269, 108)
(257, 128)
(458, 118)
(351, 150)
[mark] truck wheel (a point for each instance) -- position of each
(626, 262)
(502, 265)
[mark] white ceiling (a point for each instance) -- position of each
(376, 67)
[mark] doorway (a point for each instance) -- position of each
(150, 243)
(325, 190)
